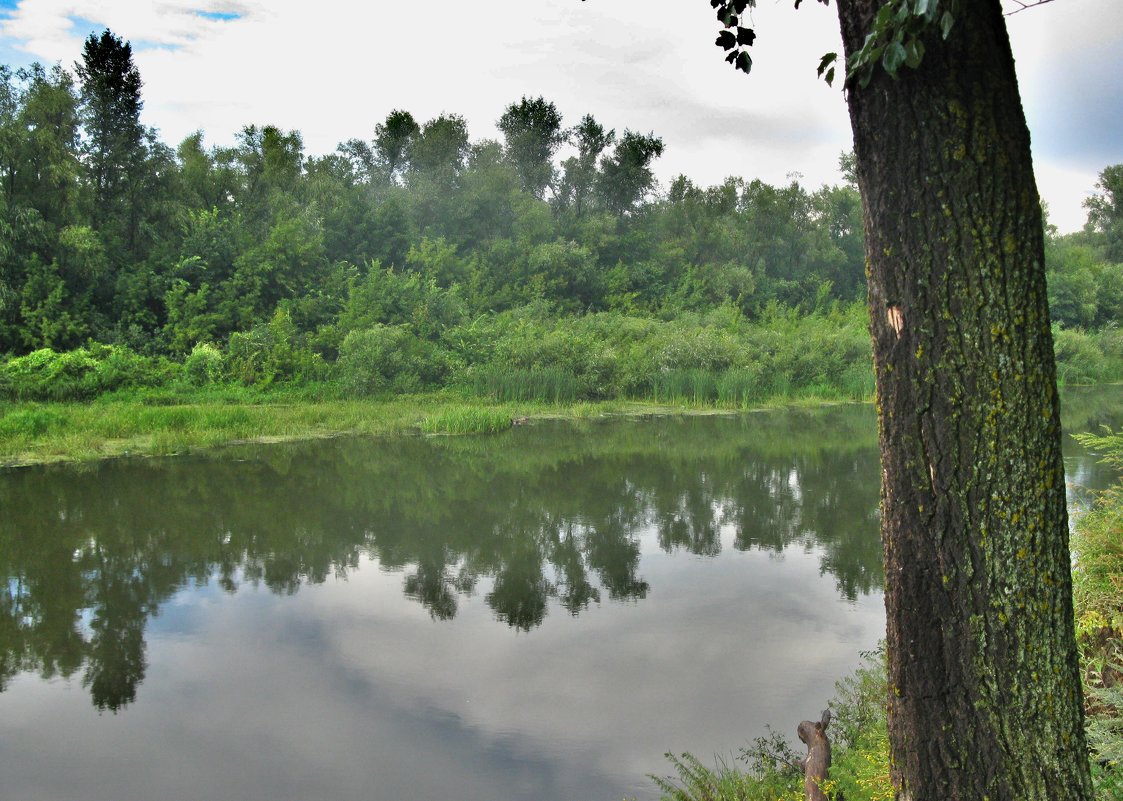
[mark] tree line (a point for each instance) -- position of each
(402, 248)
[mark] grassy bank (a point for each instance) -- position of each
(158, 424)
(161, 425)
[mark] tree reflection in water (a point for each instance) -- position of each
(547, 516)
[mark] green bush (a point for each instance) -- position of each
(1079, 359)
(204, 365)
(270, 353)
(390, 358)
(81, 374)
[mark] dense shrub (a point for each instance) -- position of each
(390, 358)
(1079, 359)
(81, 374)
(271, 353)
(204, 365)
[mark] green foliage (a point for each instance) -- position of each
(543, 384)
(897, 36)
(448, 250)
(1105, 212)
(1080, 360)
(859, 753)
(204, 365)
(532, 133)
(30, 423)
(389, 359)
(272, 352)
(1097, 544)
(81, 374)
(695, 781)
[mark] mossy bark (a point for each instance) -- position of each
(985, 692)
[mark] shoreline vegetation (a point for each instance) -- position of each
(157, 425)
(104, 400)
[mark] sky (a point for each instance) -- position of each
(334, 69)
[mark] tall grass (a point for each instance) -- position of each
(466, 420)
(741, 388)
(539, 384)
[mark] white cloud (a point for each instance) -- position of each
(334, 69)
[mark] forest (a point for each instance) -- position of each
(550, 265)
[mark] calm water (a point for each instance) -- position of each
(535, 615)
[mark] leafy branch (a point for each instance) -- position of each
(896, 37)
(735, 39)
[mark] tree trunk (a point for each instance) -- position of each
(983, 674)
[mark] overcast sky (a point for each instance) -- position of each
(334, 68)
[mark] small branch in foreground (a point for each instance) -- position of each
(1022, 5)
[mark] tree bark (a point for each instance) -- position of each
(983, 674)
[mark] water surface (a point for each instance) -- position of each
(539, 614)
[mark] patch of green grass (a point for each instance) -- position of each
(467, 420)
(30, 423)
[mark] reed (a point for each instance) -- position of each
(467, 420)
(540, 384)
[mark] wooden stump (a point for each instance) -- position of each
(817, 764)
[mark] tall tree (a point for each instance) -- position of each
(626, 176)
(986, 698)
(439, 149)
(111, 106)
(1105, 211)
(532, 133)
(580, 172)
(393, 140)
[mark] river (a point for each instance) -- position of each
(539, 614)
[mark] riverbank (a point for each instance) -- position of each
(163, 424)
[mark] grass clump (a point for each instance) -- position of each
(539, 384)
(466, 420)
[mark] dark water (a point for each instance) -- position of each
(535, 615)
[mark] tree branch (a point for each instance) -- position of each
(1023, 5)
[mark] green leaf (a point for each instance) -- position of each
(881, 21)
(894, 57)
(946, 21)
(825, 62)
(914, 53)
(920, 7)
(726, 40)
(744, 62)
(829, 78)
